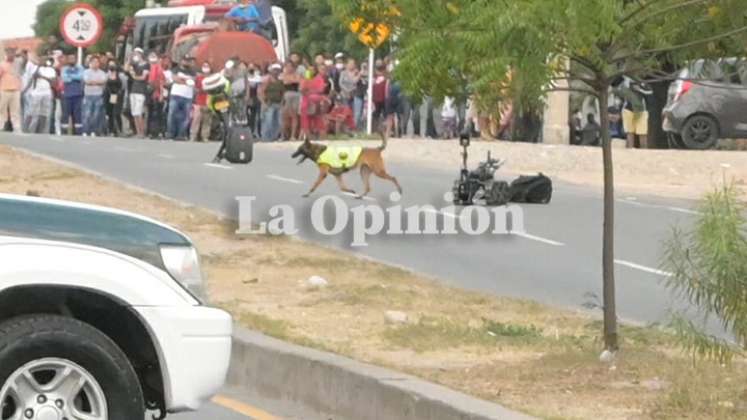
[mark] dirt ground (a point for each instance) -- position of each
(527, 356)
(669, 173)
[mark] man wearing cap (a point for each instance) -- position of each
(245, 15)
(271, 93)
(10, 90)
(40, 95)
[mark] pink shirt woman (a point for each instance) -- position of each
(312, 103)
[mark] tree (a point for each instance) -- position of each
(525, 48)
(709, 269)
(114, 12)
(319, 31)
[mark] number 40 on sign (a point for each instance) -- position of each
(81, 25)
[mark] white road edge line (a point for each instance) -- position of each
(283, 179)
(643, 268)
(215, 165)
(165, 156)
(516, 233)
(537, 238)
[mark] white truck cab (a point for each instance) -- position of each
(101, 315)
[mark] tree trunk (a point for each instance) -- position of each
(657, 138)
(608, 253)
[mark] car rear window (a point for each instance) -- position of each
(727, 70)
(120, 233)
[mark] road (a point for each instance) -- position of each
(231, 405)
(556, 260)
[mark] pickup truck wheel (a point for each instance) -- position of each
(53, 367)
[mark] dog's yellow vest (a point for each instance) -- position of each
(340, 157)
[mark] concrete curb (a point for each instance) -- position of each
(346, 389)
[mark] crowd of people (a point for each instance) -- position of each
(149, 96)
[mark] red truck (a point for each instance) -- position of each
(197, 27)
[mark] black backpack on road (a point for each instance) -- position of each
(535, 189)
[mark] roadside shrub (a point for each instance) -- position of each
(709, 269)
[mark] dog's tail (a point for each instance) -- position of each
(384, 140)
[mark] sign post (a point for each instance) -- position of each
(369, 107)
(371, 35)
(81, 26)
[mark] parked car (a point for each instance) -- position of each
(101, 315)
(707, 102)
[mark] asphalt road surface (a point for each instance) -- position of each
(230, 405)
(556, 260)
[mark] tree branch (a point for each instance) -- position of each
(570, 89)
(681, 46)
(637, 11)
(668, 10)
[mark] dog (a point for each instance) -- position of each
(369, 160)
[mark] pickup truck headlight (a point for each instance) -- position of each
(183, 264)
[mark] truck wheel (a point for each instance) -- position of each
(52, 367)
(700, 132)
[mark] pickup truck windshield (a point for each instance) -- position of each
(125, 234)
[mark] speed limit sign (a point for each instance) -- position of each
(81, 25)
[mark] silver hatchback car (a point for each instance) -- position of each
(707, 102)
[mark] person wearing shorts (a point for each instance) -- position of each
(636, 124)
(137, 106)
(635, 114)
(291, 102)
(139, 70)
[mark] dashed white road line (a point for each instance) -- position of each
(284, 179)
(298, 182)
(218, 166)
(356, 196)
(643, 268)
(635, 202)
(537, 238)
(449, 214)
(442, 213)
(165, 156)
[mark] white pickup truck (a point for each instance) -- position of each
(101, 315)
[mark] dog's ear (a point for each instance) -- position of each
(307, 141)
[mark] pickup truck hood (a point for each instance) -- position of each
(60, 221)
